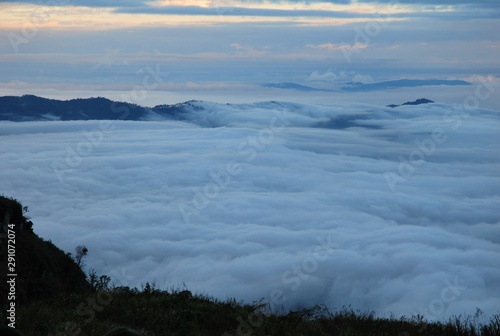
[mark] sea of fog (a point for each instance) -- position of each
(391, 210)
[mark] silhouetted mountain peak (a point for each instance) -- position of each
(419, 101)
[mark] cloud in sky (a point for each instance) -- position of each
(283, 9)
(344, 48)
(229, 3)
(331, 76)
(328, 76)
(240, 11)
(254, 199)
(84, 3)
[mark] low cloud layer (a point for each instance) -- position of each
(392, 210)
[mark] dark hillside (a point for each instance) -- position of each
(29, 108)
(43, 270)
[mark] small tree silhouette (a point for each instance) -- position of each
(98, 283)
(81, 252)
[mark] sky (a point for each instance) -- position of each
(216, 49)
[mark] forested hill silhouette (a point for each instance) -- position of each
(34, 108)
(30, 108)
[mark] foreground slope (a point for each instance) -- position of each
(62, 303)
(44, 270)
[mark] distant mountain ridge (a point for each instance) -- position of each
(401, 83)
(293, 86)
(34, 108)
(361, 87)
